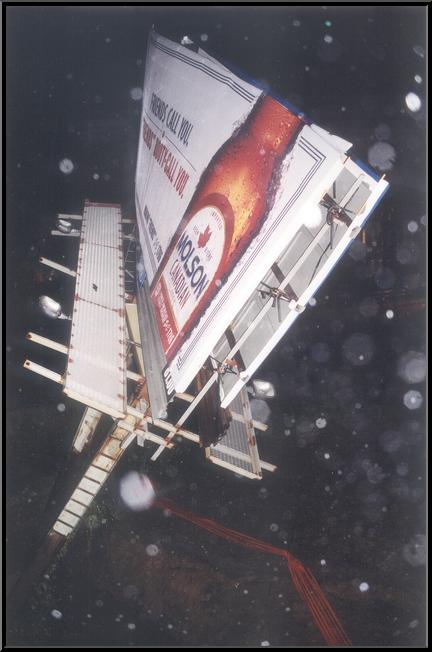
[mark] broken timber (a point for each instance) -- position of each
(96, 373)
(98, 353)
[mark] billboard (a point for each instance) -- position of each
(225, 175)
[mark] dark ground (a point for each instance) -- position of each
(351, 493)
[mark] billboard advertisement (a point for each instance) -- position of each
(224, 172)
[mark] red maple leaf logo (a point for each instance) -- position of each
(204, 237)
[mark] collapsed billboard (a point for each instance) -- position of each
(225, 176)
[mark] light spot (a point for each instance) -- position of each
(66, 166)
(374, 472)
(402, 469)
(364, 586)
(382, 156)
(204, 37)
(389, 314)
(418, 79)
(312, 301)
(358, 250)
(382, 132)
(419, 51)
(327, 456)
(323, 562)
(95, 176)
(320, 352)
(328, 38)
(413, 102)
(384, 278)
(130, 592)
(265, 643)
(260, 410)
(412, 226)
(263, 389)
(412, 367)
(61, 407)
(274, 527)
(312, 216)
(136, 94)
(131, 626)
(152, 550)
(414, 552)
(186, 40)
(136, 491)
(390, 441)
(406, 254)
(369, 307)
(413, 400)
(321, 423)
(55, 613)
(359, 349)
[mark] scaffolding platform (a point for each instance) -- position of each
(96, 369)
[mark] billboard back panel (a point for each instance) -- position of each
(225, 177)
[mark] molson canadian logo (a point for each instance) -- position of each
(189, 272)
(233, 197)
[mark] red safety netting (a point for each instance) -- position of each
(306, 585)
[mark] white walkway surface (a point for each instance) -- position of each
(96, 371)
(237, 450)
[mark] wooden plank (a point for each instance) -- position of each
(236, 469)
(44, 341)
(89, 485)
(69, 518)
(104, 462)
(61, 528)
(67, 216)
(82, 497)
(43, 371)
(96, 474)
(67, 235)
(57, 266)
(75, 508)
(86, 429)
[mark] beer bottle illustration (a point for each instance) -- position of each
(226, 211)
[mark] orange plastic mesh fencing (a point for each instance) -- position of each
(306, 585)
